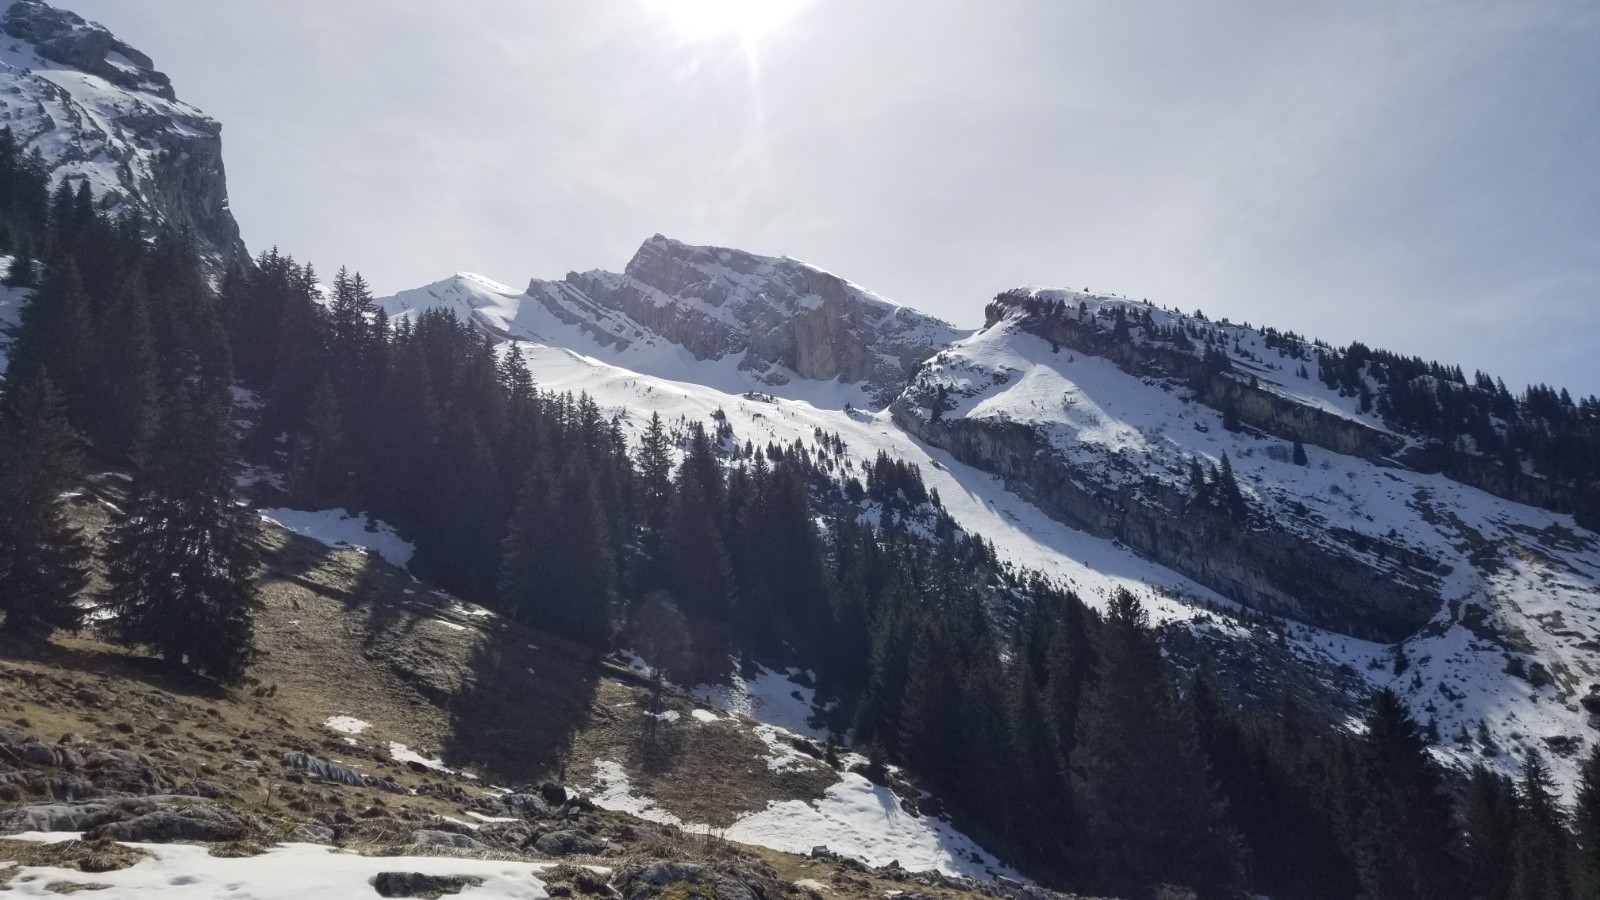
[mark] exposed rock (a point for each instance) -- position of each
(195, 823)
(567, 843)
(332, 772)
(136, 145)
(312, 833)
(433, 837)
(50, 817)
(647, 881)
(416, 884)
(1268, 569)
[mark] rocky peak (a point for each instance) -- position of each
(781, 317)
(67, 38)
(99, 112)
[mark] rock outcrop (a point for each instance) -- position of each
(1285, 574)
(779, 317)
(98, 111)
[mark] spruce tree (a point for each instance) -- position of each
(182, 559)
(1152, 813)
(1543, 845)
(43, 558)
(1488, 825)
(1586, 824)
(1404, 844)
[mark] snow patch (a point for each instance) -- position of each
(286, 872)
(346, 724)
(341, 528)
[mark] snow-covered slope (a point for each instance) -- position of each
(1511, 586)
(1066, 453)
(98, 111)
(775, 321)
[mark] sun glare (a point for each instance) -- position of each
(746, 19)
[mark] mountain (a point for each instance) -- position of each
(1067, 431)
(776, 320)
(99, 112)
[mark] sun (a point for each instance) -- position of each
(745, 19)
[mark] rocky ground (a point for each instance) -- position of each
(463, 737)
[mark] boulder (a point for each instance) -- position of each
(195, 823)
(567, 843)
(416, 884)
(432, 837)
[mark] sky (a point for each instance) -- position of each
(1421, 175)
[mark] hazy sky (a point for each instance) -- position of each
(1419, 175)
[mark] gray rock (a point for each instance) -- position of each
(416, 884)
(567, 843)
(333, 772)
(201, 823)
(50, 817)
(526, 806)
(432, 837)
(311, 833)
(208, 790)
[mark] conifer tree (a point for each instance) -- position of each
(1488, 824)
(1300, 453)
(43, 558)
(1586, 824)
(1152, 814)
(1405, 833)
(1543, 845)
(182, 559)
(54, 334)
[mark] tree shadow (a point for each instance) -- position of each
(524, 699)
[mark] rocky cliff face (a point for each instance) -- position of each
(1323, 582)
(780, 317)
(98, 111)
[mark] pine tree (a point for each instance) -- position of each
(1586, 824)
(1152, 814)
(1405, 834)
(54, 334)
(43, 559)
(1543, 845)
(1300, 453)
(557, 572)
(182, 559)
(1488, 835)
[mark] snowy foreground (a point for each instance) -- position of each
(287, 872)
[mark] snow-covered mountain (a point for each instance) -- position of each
(98, 111)
(776, 319)
(1072, 450)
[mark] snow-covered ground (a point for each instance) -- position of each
(782, 698)
(285, 872)
(1533, 574)
(341, 528)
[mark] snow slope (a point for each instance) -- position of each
(1516, 582)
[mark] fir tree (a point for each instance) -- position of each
(1543, 845)
(1489, 820)
(1405, 834)
(182, 559)
(1586, 824)
(43, 558)
(1153, 817)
